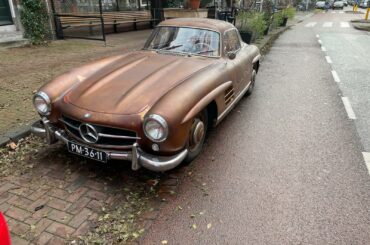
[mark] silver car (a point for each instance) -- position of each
(338, 5)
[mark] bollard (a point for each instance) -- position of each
(367, 13)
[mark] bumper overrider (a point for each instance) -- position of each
(138, 158)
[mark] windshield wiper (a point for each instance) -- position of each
(170, 47)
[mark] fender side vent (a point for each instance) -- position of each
(229, 95)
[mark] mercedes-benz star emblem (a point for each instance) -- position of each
(89, 133)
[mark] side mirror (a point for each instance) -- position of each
(231, 55)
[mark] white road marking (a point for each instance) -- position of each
(366, 156)
(333, 12)
(328, 59)
(348, 107)
(341, 12)
(318, 36)
(344, 24)
(319, 41)
(335, 76)
(310, 24)
(327, 24)
(323, 48)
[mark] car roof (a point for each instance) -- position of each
(212, 24)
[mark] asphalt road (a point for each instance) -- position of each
(286, 166)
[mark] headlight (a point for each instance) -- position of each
(156, 128)
(42, 103)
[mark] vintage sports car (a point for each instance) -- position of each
(152, 107)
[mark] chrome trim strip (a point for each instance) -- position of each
(118, 136)
(231, 106)
(137, 157)
(69, 124)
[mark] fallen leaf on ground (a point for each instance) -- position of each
(194, 226)
(209, 226)
(12, 145)
(164, 242)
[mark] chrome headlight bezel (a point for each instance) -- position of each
(161, 122)
(47, 101)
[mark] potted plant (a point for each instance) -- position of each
(287, 13)
(194, 4)
(242, 20)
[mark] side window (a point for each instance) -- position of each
(231, 41)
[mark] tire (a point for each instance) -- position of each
(195, 146)
(253, 80)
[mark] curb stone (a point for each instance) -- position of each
(16, 134)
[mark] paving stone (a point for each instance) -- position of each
(95, 205)
(41, 226)
(5, 196)
(79, 205)
(80, 218)
(19, 241)
(98, 195)
(60, 216)
(4, 207)
(6, 187)
(59, 204)
(83, 229)
(44, 238)
(21, 191)
(58, 193)
(98, 186)
(57, 241)
(60, 230)
(39, 202)
(37, 194)
(77, 194)
(20, 202)
(19, 228)
(37, 216)
(77, 183)
(17, 213)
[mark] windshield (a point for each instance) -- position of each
(185, 40)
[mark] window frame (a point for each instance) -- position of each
(238, 36)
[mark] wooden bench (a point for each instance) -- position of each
(110, 18)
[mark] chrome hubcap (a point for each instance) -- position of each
(198, 133)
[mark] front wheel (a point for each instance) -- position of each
(197, 135)
(253, 80)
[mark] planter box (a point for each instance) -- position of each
(170, 13)
(246, 36)
(285, 20)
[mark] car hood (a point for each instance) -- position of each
(133, 83)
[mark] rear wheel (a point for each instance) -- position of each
(197, 135)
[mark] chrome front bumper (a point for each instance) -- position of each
(138, 158)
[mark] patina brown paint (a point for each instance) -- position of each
(119, 91)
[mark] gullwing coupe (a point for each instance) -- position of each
(151, 107)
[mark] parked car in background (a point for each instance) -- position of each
(345, 3)
(320, 5)
(364, 4)
(351, 2)
(152, 107)
(338, 5)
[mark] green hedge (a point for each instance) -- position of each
(34, 18)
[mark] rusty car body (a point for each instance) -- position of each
(152, 106)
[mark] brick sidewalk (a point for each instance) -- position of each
(63, 197)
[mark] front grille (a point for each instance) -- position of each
(107, 136)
